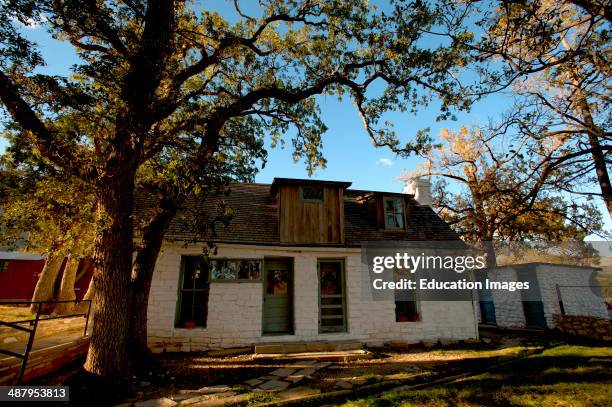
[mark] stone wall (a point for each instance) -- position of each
(574, 290)
(588, 327)
(235, 309)
(508, 306)
(577, 297)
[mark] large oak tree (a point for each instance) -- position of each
(176, 97)
(495, 186)
(45, 211)
(555, 56)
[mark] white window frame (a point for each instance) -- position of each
(403, 213)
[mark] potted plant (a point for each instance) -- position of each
(414, 317)
(402, 318)
(189, 324)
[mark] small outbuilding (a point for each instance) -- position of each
(19, 273)
(553, 289)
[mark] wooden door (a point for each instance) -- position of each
(278, 297)
(332, 296)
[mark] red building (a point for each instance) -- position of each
(19, 273)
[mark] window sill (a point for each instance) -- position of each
(270, 337)
(333, 333)
(235, 281)
(196, 329)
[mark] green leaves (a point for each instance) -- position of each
(492, 187)
(44, 210)
(184, 97)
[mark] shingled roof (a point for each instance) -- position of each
(256, 219)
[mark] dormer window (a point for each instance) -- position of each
(311, 194)
(394, 213)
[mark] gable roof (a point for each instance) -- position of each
(20, 256)
(256, 219)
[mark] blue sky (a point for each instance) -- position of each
(347, 148)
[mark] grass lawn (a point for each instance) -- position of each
(560, 376)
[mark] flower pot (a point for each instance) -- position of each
(402, 318)
(189, 324)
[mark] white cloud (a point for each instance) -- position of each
(30, 23)
(385, 162)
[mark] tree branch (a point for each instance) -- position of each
(48, 145)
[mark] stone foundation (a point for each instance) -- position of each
(588, 327)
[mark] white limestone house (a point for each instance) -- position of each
(288, 269)
(554, 289)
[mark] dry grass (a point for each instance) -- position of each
(10, 313)
(414, 365)
(561, 376)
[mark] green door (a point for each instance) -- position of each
(534, 313)
(278, 301)
(487, 312)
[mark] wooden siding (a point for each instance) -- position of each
(18, 281)
(311, 222)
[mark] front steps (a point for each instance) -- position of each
(306, 347)
(337, 356)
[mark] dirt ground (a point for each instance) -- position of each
(180, 373)
(177, 376)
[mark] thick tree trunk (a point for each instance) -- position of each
(483, 224)
(84, 306)
(142, 274)
(108, 356)
(599, 160)
(46, 281)
(603, 177)
(67, 288)
(489, 249)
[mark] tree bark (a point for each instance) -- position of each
(489, 249)
(108, 357)
(67, 288)
(599, 159)
(83, 306)
(482, 223)
(601, 170)
(46, 281)
(142, 274)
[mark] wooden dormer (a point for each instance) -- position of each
(310, 212)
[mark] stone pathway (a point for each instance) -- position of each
(277, 381)
(282, 378)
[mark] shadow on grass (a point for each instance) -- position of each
(566, 375)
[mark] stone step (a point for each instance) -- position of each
(338, 356)
(229, 351)
(303, 347)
